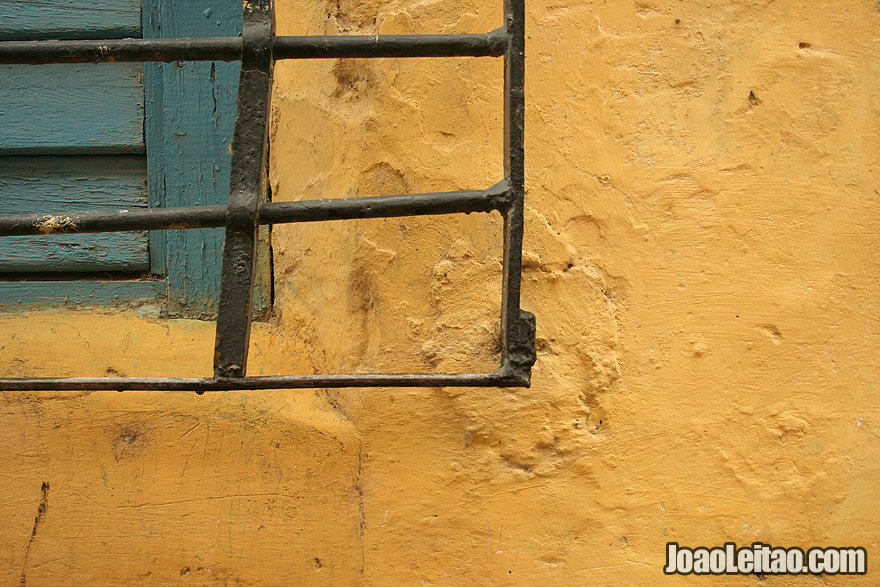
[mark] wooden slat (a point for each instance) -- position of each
(24, 295)
(69, 19)
(91, 108)
(67, 184)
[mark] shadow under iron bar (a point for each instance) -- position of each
(494, 198)
(492, 44)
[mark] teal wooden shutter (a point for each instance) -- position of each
(114, 135)
(71, 138)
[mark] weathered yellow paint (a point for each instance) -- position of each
(702, 257)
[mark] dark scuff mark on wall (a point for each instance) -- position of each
(41, 511)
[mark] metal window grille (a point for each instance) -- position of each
(258, 48)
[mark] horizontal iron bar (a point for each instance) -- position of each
(498, 378)
(494, 198)
(491, 44)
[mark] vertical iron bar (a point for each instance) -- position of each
(517, 327)
(247, 185)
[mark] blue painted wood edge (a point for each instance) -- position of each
(154, 123)
(22, 296)
(191, 109)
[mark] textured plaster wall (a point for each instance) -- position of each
(702, 254)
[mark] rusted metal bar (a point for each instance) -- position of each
(494, 198)
(136, 50)
(248, 183)
(370, 46)
(490, 44)
(496, 378)
(517, 326)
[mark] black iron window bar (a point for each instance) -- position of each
(258, 48)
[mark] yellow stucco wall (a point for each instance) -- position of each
(702, 255)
